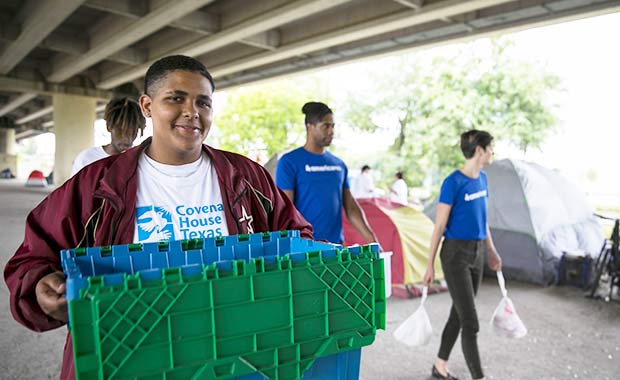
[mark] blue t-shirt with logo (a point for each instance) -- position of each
(468, 198)
(318, 181)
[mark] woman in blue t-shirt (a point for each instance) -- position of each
(462, 220)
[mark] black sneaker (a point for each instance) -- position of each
(436, 375)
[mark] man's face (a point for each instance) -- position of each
(182, 115)
(121, 142)
(322, 133)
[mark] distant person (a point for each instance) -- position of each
(462, 221)
(366, 186)
(123, 119)
(316, 180)
(398, 190)
(145, 195)
(7, 173)
(50, 177)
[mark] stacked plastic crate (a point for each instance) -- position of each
(259, 306)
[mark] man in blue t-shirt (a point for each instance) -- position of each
(316, 180)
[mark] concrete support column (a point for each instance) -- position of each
(8, 158)
(7, 141)
(74, 121)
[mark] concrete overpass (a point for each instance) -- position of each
(61, 60)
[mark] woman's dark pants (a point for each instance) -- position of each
(462, 262)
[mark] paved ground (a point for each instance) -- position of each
(570, 337)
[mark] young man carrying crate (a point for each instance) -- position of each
(172, 186)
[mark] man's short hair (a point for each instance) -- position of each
(124, 115)
(160, 69)
(315, 111)
(399, 175)
(365, 167)
(473, 138)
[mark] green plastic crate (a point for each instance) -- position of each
(274, 317)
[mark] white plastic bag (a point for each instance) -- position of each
(505, 320)
(416, 330)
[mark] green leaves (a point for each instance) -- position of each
(264, 120)
(430, 100)
(435, 101)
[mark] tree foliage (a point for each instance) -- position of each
(263, 120)
(435, 101)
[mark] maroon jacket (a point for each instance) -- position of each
(97, 207)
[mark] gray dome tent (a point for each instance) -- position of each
(536, 215)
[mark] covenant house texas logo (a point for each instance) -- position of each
(476, 195)
(157, 223)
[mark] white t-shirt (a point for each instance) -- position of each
(87, 157)
(366, 185)
(176, 202)
(399, 191)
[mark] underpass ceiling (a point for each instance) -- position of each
(101, 48)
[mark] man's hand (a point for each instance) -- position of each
(50, 293)
(495, 262)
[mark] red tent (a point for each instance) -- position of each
(36, 179)
(403, 230)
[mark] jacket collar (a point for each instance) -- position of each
(119, 184)
(121, 173)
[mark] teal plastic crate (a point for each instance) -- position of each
(271, 316)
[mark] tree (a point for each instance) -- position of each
(264, 120)
(435, 101)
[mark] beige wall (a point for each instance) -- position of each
(74, 120)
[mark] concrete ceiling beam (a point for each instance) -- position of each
(207, 24)
(414, 4)
(248, 28)
(63, 42)
(17, 102)
(38, 20)
(46, 111)
(35, 115)
(125, 8)
(360, 31)
(269, 40)
(43, 88)
(117, 34)
(129, 56)
(31, 132)
(197, 21)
